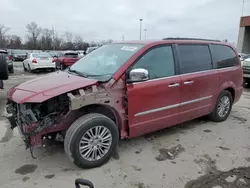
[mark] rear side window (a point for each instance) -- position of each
(223, 56)
(194, 58)
(71, 55)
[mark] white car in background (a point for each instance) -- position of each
(36, 61)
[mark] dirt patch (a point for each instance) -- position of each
(8, 135)
(136, 168)
(169, 154)
(68, 170)
(207, 131)
(25, 178)
(50, 176)
(207, 162)
(236, 178)
(26, 169)
(138, 151)
(240, 119)
(224, 148)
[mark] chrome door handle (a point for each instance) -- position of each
(188, 82)
(174, 85)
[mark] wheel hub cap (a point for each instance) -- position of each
(95, 143)
(224, 106)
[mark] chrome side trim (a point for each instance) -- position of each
(172, 106)
(157, 110)
(196, 100)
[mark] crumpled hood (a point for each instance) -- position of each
(46, 87)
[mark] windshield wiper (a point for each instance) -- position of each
(77, 72)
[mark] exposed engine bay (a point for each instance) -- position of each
(40, 115)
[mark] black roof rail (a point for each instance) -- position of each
(173, 38)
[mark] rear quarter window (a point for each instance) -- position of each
(223, 56)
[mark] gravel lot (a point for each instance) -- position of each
(197, 154)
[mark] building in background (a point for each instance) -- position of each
(243, 44)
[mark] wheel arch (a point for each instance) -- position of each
(105, 110)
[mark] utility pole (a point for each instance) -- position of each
(122, 37)
(140, 26)
(145, 33)
(243, 4)
(53, 34)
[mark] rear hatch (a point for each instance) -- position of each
(43, 59)
(71, 57)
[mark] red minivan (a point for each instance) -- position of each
(66, 59)
(124, 90)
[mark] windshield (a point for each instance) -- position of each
(106, 60)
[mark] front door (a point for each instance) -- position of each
(199, 81)
(154, 104)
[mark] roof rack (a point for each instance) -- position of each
(177, 38)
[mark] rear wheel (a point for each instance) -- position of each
(223, 107)
(11, 70)
(91, 140)
(29, 69)
(62, 67)
(246, 83)
(24, 68)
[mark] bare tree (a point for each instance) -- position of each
(68, 41)
(33, 33)
(46, 41)
(3, 36)
(15, 42)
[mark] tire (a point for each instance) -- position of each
(29, 69)
(11, 70)
(4, 73)
(79, 129)
(246, 82)
(62, 67)
(24, 68)
(214, 116)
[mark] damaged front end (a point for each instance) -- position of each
(34, 120)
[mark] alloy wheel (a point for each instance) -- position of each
(224, 106)
(95, 143)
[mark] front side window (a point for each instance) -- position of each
(194, 58)
(103, 62)
(224, 56)
(159, 62)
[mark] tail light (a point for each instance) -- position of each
(34, 61)
(9, 57)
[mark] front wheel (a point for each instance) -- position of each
(91, 140)
(223, 107)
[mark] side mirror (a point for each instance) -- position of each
(4, 73)
(138, 75)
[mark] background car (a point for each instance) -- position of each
(9, 60)
(66, 59)
(246, 71)
(18, 55)
(35, 61)
(243, 56)
(90, 49)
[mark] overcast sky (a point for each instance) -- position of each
(109, 19)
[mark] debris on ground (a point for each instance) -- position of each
(169, 154)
